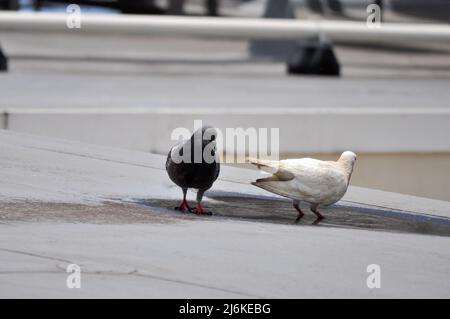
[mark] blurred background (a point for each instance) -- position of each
(394, 10)
(389, 101)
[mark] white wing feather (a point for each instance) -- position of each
(314, 181)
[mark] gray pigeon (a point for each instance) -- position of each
(194, 164)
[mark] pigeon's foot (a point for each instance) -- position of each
(184, 207)
(315, 211)
(319, 215)
(318, 220)
(299, 216)
(300, 213)
(200, 211)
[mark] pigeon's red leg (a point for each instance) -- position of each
(297, 207)
(199, 209)
(184, 204)
(315, 211)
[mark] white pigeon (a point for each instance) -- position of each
(306, 179)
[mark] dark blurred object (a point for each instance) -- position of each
(315, 6)
(3, 61)
(336, 6)
(428, 9)
(319, 6)
(275, 49)
(136, 7)
(176, 7)
(9, 4)
(125, 6)
(438, 10)
(380, 4)
(313, 57)
(212, 7)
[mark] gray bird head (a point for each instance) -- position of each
(203, 142)
(206, 134)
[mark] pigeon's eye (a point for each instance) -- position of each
(213, 137)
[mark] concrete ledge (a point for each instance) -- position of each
(301, 130)
(111, 212)
(232, 179)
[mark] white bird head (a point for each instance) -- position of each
(348, 156)
(348, 159)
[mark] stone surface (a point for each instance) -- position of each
(111, 212)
